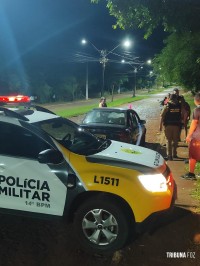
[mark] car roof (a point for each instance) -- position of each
(27, 114)
(38, 116)
(109, 109)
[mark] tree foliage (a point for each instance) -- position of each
(173, 15)
(179, 60)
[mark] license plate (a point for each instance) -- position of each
(101, 136)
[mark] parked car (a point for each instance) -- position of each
(121, 124)
(51, 167)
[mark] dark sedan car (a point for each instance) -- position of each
(119, 124)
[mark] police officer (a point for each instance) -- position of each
(171, 120)
(179, 97)
(181, 101)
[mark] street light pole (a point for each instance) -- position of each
(135, 72)
(86, 85)
(139, 66)
(104, 59)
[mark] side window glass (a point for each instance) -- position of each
(134, 120)
(58, 129)
(129, 120)
(20, 142)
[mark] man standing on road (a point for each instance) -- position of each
(171, 120)
(179, 97)
(181, 101)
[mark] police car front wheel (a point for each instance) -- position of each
(101, 226)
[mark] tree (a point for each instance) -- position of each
(114, 82)
(173, 15)
(179, 60)
(69, 88)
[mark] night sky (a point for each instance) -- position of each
(50, 31)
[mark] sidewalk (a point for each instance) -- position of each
(178, 168)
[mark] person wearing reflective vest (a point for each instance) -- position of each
(171, 120)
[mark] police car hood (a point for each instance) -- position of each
(129, 156)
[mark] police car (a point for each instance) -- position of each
(50, 167)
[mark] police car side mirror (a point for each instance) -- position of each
(50, 156)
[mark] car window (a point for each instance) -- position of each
(20, 142)
(133, 120)
(105, 117)
(57, 128)
(71, 136)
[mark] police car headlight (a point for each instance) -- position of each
(153, 183)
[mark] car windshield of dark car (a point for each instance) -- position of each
(105, 117)
(72, 137)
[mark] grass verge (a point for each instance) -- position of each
(73, 111)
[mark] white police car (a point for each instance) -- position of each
(49, 166)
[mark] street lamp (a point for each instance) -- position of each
(149, 61)
(104, 57)
(136, 65)
(135, 71)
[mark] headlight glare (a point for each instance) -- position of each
(153, 183)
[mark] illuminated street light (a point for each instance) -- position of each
(134, 71)
(104, 58)
(149, 62)
(136, 65)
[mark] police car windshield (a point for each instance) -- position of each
(71, 136)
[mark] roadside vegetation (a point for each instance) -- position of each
(73, 111)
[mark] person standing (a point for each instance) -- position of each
(193, 139)
(179, 97)
(170, 118)
(186, 112)
(102, 102)
(167, 99)
(181, 101)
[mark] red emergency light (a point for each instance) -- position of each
(14, 99)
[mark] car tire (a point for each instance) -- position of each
(101, 226)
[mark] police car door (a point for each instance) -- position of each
(26, 184)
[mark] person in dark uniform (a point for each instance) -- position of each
(171, 120)
(179, 97)
(181, 101)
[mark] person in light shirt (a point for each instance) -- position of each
(102, 102)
